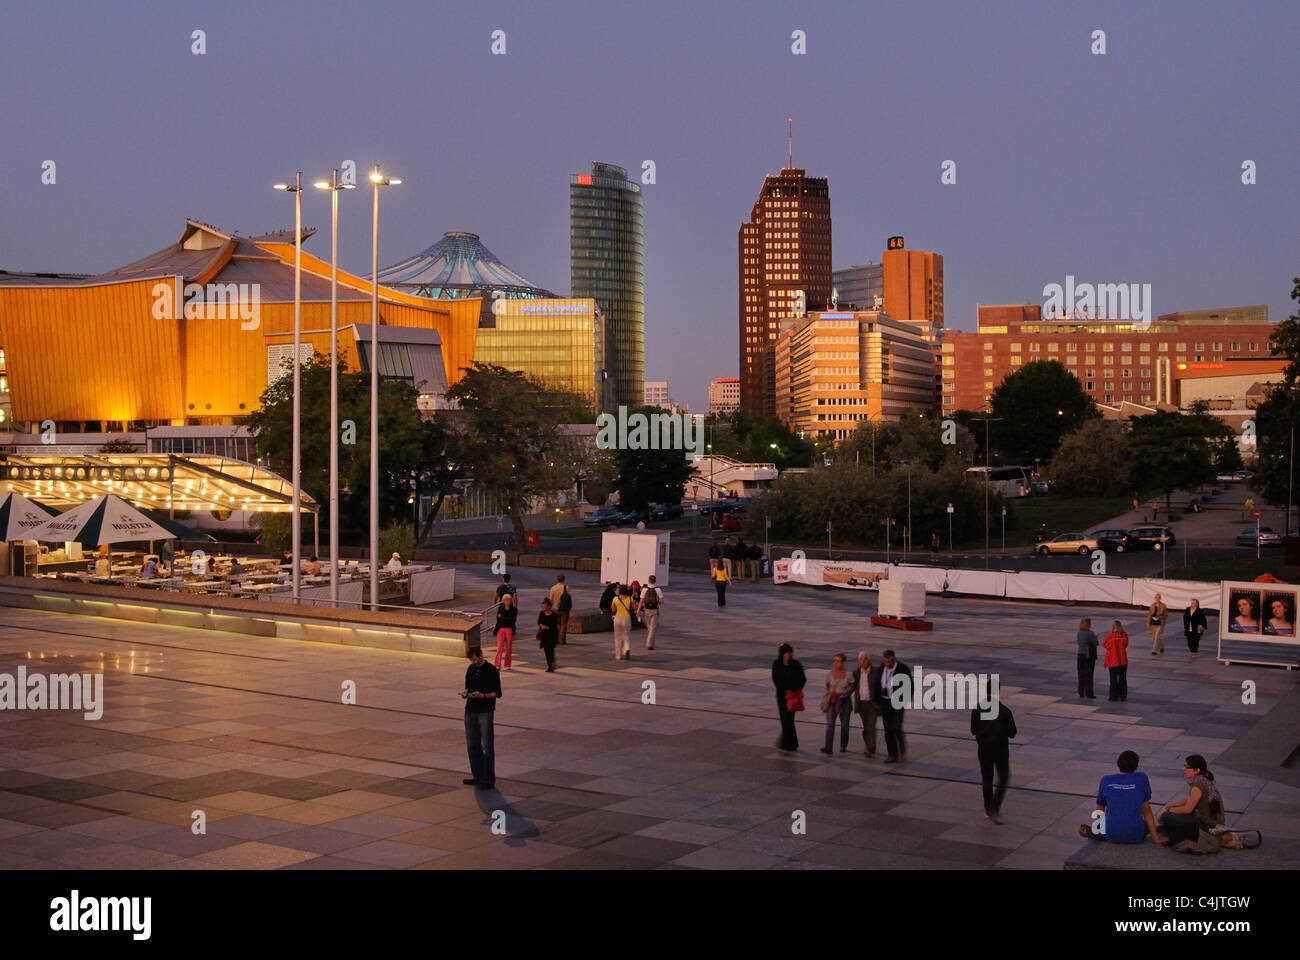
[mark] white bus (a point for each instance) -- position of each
(1010, 482)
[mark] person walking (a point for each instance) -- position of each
(934, 545)
(1193, 626)
(652, 598)
(837, 704)
(506, 588)
(1157, 616)
(562, 604)
(548, 632)
(507, 617)
(1086, 656)
(607, 598)
(1116, 644)
(789, 679)
(622, 608)
(481, 693)
(866, 696)
(720, 580)
(994, 734)
(891, 715)
(715, 557)
(1201, 809)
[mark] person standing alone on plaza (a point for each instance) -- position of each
(507, 617)
(562, 604)
(720, 580)
(1086, 655)
(891, 716)
(994, 735)
(652, 598)
(1193, 627)
(481, 693)
(622, 607)
(837, 704)
(1116, 644)
(548, 632)
(1157, 616)
(789, 679)
(866, 696)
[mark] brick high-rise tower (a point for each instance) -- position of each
(785, 258)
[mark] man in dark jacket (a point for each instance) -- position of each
(481, 693)
(891, 716)
(866, 696)
(993, 734)
(607, 598)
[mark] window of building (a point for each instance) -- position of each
(1144, 347)
(1236, 345)
(1218, 346)
(1126, 347)
(1164, 348)
(1071, 347)
(1015, 348)
(1254, 347)
(1033, 347)
(1015, 358)
(988, 371)
(1071, 359)
(1053, 347)
(1180, 347)
(1200, 346)
(988, 346)
(1108, 347)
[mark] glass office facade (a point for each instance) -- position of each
(559, 342)
(607, 264)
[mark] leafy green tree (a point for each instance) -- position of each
(915, 438)
(400, 442)
(1227, 456)
(1090, 462)
(1039, 404)
(1276, 417)
(511, 438)
(1171, 451)
(650, 476)
(755, 439)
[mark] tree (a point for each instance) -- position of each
(916, 438)
(1171, 451)
(1227, 456)
(755, 439)
(1039, 404)
(117, 445)
(1090, 462)
(1276, 416)
(511, 437)
(650, 476)
(400, 441)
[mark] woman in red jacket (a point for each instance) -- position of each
(1116, 644)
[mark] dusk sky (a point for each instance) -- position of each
(1120, 168)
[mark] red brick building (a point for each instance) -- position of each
(1114, 360)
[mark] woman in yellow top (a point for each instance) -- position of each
(720, 580)
(622, 610)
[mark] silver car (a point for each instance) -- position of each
(1079, 543)
(1267, 537)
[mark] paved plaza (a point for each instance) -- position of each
(253, 733)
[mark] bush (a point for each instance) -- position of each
(277, 533)
(396, 538)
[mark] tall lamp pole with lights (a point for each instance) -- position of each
(379, 180)
(296, 523)
(334, 187)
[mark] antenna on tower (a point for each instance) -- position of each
(789, 139)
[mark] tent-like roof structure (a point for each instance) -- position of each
(456, 267)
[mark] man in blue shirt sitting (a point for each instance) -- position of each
(1123, 813)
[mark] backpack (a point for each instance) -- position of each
(566, 601)
(650, 598)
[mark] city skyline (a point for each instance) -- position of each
(1115, 168)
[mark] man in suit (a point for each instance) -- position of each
(891, 676)
(994, 735)
(866, 694)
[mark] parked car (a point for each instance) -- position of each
(1152, 538)
(604, 517)
(1235, 477)
(731, 523)
(667, 511)
(1112, 540)
(634, 516)
(1079, 543)
(1268, 537)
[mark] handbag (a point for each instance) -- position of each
(793, 701)
(826, 703)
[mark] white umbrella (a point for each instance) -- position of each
(104, 520)
(19, 517)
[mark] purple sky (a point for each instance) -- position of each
(1117, 168)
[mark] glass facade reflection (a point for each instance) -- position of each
(559, 342)
(607, 264)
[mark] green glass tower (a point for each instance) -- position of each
(607, 263)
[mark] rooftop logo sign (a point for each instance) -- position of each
(210, 301)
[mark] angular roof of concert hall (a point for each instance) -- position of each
(126, 346)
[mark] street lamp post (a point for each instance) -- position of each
(334, 187)
(1004, 529)
(379, 180)
(950, 529)
(296, 468)
(828, 539)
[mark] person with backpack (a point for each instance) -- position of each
(652, 599)
(562, 604)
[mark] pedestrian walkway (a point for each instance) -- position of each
(666, 760)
